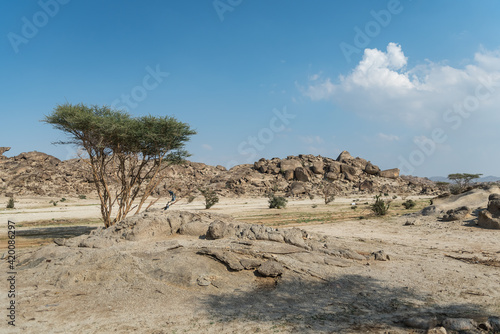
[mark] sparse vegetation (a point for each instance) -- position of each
(54, 202)
(210, 196)
(409, 204)
(82, 196)
(11, 203)
(62, 200)
(380, 207)
(190, 198)
(277, 202)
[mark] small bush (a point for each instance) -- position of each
(354, 207)
(54, 203)
(11, 203)
(62, 200)
(395, 196)
(82, 197)
(191, 199)
(380, 207)
(386, 194)
(314, 206)
(211, 197)
(409, 204)
(277, 202)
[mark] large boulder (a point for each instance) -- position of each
(390, 173)
(366, 185)
(334, 167)
(331, 176)
(344, 157)
(318, 167)
(457, 214)
(297, 188)
(301, 174)
(371, 169)
(3, 150)
(494, 204)
(350, 170)
(289, 164)
(490, 218)
(288, 175)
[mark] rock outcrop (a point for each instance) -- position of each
(36, 173)
(490, 218)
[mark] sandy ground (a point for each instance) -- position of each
(435, 268)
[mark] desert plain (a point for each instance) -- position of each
(192, 270)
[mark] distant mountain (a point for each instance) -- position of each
(490, 178)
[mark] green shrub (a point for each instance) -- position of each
(277, 202)
(211, 197)
(409, 204)
(191, 198)
(82, 197)
(54, 203)
(380, 207)
(62, 200)
(11, 203)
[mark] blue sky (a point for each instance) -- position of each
(409, 84)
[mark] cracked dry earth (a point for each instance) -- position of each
(185, 272)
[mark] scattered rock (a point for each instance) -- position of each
(459, 324)
(490, 218)
(494, 322)
(225, 257)
(381, 256)
(457, 214)
(366, 185)
(249, 264)
(297, 188)
(271, 268)
(202, 281)
(437, 330)
(421, 322)
(219, 230)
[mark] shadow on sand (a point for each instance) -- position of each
(55, 232)
(350, 303)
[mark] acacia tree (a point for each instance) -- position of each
(125, 154)
(463, 180)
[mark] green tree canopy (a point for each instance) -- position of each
(125, 154)
(463, 180)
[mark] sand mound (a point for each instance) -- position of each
(473, 199)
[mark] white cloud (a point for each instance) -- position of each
(315, 77)
(388, 137)
(382, 87)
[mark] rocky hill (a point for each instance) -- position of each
(36, 173)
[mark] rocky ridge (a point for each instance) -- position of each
(36, 173)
